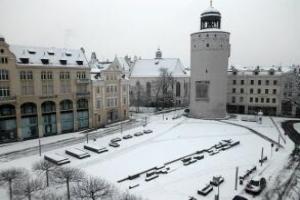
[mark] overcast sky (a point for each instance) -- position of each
(263, 32)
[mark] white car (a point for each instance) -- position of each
(256, 185)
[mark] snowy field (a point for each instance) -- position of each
(172, 139)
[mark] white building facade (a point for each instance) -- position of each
(210, 50)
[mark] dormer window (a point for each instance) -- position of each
(24, 60)
(272, 72)
(256, 72)
(79, 62)
(31, 51)
(234, 72)
(68, 53)
(63, 61)
(45, 61)
(51, 53)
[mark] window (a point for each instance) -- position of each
(98, 90)
(64, 75)
(258, 91)
(242, 82)
(251, 99)
(27, 87)
(65, 86)
(233, 90)
(234, 82)
(81, 75)
(241, 99)
(26, 75)
(267, 100)
(252, 82)
(273, 100)
(98, 103)
(4, 91)
(124, 100)
(259, 82)
(207, 45)
(43, 75)
(274, 91)
(256, 100)
(178, 91)
(266, 91)
(262, 100)
(275, 82)
(2, 50)
(4, 74)
(47, 87)
(148, 89)
(242, 90)
(251, 90)
(233, 99)
(267, 82)
(202, 88)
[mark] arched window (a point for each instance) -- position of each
(66, 105)
(28, 108)
(148, 89)
(82, 104)
(178, 89)
(48, 107)
(7, 110)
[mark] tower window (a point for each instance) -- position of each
(207, 45)
(202, 88)
(207, 35)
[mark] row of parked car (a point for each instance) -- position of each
(115, 141)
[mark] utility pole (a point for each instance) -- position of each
(236, 178)
(262, 156)
(121, 127)
(40, 147)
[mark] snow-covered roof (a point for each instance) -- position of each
(210, 11)
(262, 70)
(56, 57)
(151, 67)
(123, 63)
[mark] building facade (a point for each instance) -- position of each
(43, 91)
(110, 92)
(159, 81)
(210, 50)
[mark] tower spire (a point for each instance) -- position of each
(211, 3)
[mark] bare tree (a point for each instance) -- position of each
(164, 88)
(49, 194)
(9, 176)
(68, 175)
(27, 186)
(93, 188)
(44, 167)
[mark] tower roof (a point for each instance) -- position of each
(211, 11)
(2, 37)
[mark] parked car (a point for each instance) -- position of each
(147, 131)
(192, 198)
(115, 140)
(138, 134)
(256, 185)
(127, 137)
(238, 197)
(217, 180)
(114, 144)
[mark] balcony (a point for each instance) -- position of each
(83, 94)
(9, 98)
(83, 81)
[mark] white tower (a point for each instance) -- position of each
(210, 50)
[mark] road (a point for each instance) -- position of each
(70, 141)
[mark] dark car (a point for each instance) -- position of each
(256, 185)
(147, 131)
(237, 197)
(138, 134)
(114, 144)
(127, 137)
(116, 140)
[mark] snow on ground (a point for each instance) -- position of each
(172, 139)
